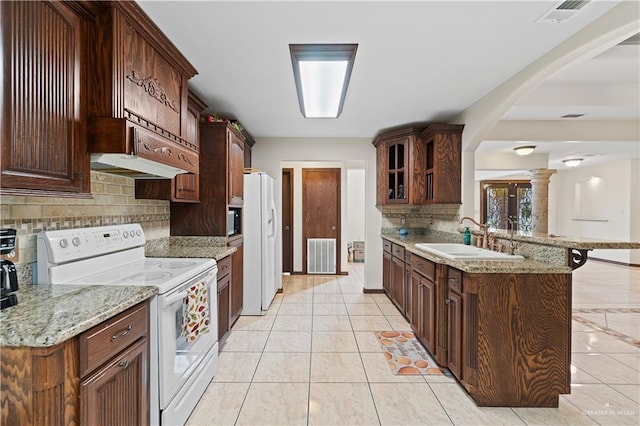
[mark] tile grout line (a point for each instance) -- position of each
(606, 330)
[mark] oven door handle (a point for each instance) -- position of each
(173, 299)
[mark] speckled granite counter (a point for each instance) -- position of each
(203, 247)
(570, 242)
(50, 314)
(525, 266)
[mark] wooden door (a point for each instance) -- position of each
(320, 208)
(118, 393)
(287, 220)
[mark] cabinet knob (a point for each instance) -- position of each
(447, 301)
(123, 364)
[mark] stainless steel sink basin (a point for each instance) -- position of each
(464, 252)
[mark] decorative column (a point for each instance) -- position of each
(540, 200)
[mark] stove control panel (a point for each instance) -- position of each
(55, 247)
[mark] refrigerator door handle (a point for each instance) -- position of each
(272, 221)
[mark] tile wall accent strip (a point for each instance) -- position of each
(33, 226)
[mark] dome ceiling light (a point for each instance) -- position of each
(524, 150)
(572, 162)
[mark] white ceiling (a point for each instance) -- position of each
(417, 61)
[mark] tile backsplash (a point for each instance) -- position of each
(420, 219)
(112, 202)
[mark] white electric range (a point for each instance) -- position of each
(181, 365)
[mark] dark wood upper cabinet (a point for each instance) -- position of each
(44, 99)
(441, 164)
(138, 102)
(184, 188)
(417, 166)
(221, 183)
(398, 180)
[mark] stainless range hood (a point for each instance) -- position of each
(133, 166)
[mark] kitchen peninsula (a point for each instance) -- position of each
(502, 327)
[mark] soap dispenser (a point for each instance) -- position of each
(466, 239)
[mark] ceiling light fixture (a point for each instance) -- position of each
(524, 150)
(572, 162)
(322, 73)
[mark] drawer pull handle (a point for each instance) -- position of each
(123, 364)
(453, 280)
(122, 333)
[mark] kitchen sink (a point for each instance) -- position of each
(464, 252)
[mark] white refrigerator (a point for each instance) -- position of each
(259, 233)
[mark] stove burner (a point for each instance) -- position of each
(176, 265)
(148, 276)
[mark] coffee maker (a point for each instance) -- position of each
(8, 273)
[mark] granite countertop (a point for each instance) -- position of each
(526, 266)
(202, 247)
(50, 314)
(565, 241)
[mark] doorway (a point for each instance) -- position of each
(501, 200)
(321, 209)
(287, 220)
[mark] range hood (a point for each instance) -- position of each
(133, 166)
(124, 147)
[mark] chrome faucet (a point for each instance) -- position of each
(512, 246)
(485, 238)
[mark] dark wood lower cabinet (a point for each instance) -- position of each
(454, 347)
(224, 299)
(237, 281)
(89, 379)
(397, 278)
(386, 273)
(118, 393)
(516, 338)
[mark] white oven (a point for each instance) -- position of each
(180, 358)
(183, 324)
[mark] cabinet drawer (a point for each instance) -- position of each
(224, 267)
(106, 340)
(386, 246)
(455, 280)
(398, 251)
(424, 267)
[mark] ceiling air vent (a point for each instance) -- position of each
(562, 11)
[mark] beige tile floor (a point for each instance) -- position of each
(313, 360)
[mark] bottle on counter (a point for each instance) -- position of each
(466, 239)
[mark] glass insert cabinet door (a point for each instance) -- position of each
(396, 168)
(502, 200)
